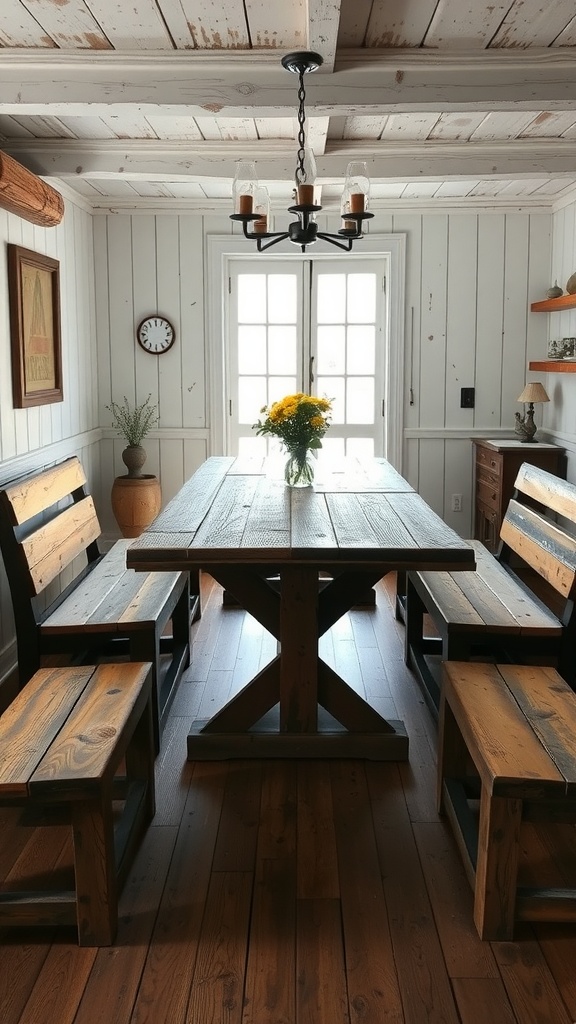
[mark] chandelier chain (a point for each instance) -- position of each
(300, 170)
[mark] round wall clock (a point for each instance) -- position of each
(155, 334)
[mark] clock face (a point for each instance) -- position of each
(155, 334)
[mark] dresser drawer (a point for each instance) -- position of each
(492, 461)
(487, 494)
(492, 515)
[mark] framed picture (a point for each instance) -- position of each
(34, 291)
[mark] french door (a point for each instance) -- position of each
(317, 326)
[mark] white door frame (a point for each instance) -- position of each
(221, 248)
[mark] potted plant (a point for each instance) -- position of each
(136, 497)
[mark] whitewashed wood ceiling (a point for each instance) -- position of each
(153, 101)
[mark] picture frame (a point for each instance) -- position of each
(36, 344)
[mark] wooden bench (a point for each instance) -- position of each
(48, 532)
(61, 743)
(492, 611)
(513, 728)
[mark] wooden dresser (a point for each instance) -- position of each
(496, 464)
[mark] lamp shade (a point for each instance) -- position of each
(533, 392)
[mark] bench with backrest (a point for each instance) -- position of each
(507, 757)
(493, 611)
(78, 742)
(48, 536)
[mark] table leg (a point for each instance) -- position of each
(299, 649)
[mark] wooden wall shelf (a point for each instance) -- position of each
(554, 305)
(554, 365)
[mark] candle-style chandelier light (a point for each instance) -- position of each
(252, 202)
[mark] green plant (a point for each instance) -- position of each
(133, 423)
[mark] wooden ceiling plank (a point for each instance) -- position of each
(394, 24)
(276, 127)
(456, 189)
(551, 124)
(45, 127)
(185, 84)
(70, 24)
(354, 20)
(455, 25)
(230, 129)
(217, 26)
(280, 26)
(20, 29)
(364, 127)
(130, 125)
(174, 127)
(177, 24)
(456, 126)
(11, 128)
(136, 26)
(524, 187)
(87, 127)
(409, 126)
(503, 124)
(533, 23)
(323, 21)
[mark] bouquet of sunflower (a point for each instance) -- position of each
(300, 421)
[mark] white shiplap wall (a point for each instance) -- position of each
(560, 413)
(469, 280)
(147, 264)
(32, 438)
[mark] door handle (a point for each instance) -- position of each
(310, 374)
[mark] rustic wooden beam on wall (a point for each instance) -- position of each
(25, 194)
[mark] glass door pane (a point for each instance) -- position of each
(347, 348)
(264, 361)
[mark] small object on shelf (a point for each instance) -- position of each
(554, 349)
(571, 285)
(554, 292)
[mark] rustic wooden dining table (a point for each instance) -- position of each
(298, 559)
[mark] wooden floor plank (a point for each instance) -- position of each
(321, 996)
(373, 989)
(287, 892)
(422, 976)
(218, 983)
(317, 854)
(271, 964)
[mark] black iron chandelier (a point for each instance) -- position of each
(252, 202)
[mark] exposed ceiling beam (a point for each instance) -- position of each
(158, 160)
(63, 83)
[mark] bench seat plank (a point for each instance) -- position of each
(80, 756)
(511, 761)
(487, 600)
(549, 705)
(112, 597)
(32, 720)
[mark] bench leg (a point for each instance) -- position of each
(95, 870)
(145, 646)
(453, 758)
(414, 620)
(497, 866)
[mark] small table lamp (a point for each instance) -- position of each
(525, 426)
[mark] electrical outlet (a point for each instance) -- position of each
(456, 502)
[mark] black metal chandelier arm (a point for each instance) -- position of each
(337, 240)
(264, 242)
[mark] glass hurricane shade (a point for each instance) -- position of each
(244, 186)
(356, 187)
(533, 392)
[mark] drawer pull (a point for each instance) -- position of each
(493, 463)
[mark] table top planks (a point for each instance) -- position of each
(241, 512)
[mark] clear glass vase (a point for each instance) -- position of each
(299, 469)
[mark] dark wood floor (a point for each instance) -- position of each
(292, 892)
